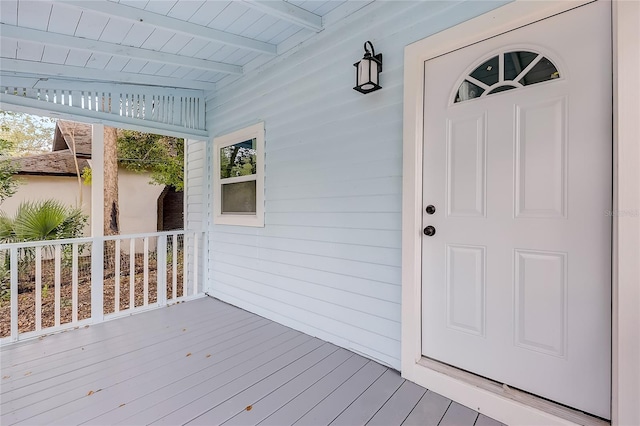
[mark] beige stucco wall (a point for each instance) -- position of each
(38, 188)
(138, 201)
(138, 198)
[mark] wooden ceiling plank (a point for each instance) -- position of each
(62, 71)
(9, 48)
(64, 19)
(98, 61)
(162, 7)
(176, 43)
(129, 13)
(91, 25)
(9, 11)
(137, 35)
(77, 58)
(29, 51)
(55, 54)
(207, 13)
(184, 10)
(34, 14)
(27, 34)
(288, 12)
(115, 31)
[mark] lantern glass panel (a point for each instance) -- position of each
(364, 70)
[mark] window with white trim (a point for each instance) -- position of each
(238, 177)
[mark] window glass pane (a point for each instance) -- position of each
(487, 72)
(515, 62)
(238, 159)
(501, 89)
(542, 71)
(468, 91)
(239, 198)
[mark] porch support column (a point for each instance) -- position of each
(97, 221)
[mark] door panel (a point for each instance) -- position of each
(517, 279)
(466, 145)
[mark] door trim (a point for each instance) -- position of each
(626, 202)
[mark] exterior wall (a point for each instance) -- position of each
(137, 198)
(328, 260)
(61, 188)
(196, 186)
(197, 189)
(138, 202)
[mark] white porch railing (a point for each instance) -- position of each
(48, 286)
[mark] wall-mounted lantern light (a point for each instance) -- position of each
(368, 71)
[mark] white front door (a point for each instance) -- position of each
(517, 166)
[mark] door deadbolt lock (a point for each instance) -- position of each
(431, 209)
(429, 231)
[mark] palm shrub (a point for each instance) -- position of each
(41, 221)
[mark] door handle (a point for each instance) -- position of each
(429, 231)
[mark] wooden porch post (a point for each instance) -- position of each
(97, 221)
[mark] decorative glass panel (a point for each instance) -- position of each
(515, 70)
(516, 62)
(239, 198)
(238, 159)
(487, 73)
(542, 71)
(468, 91)
(501, 89)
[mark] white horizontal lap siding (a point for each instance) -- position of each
(197, 188)
(328, 260)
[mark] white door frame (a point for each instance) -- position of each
(626, 204)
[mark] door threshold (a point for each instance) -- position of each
(505, 391)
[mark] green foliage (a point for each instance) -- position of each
(237, 160)
(8, 183)
(86, 175)
(162, 156)
(5, 283)
(42, 220)
(23, 134)
(20, 134)
(38, 221)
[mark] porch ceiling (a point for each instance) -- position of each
(190, 44)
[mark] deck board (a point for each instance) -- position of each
(332, 406)
(459, 415)
(371, 400)
(206, 362)
(398, 407)
(266, 406)
(303, 403)
(429, 411)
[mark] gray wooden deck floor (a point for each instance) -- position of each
(205, 362)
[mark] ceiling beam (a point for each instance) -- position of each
(28, 34)
(34, 106)
(133, 14)
(288, 12)
(30, 81)
(43, 69)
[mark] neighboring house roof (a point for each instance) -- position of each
(58, 163)
(68, 135)
(70, 132)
